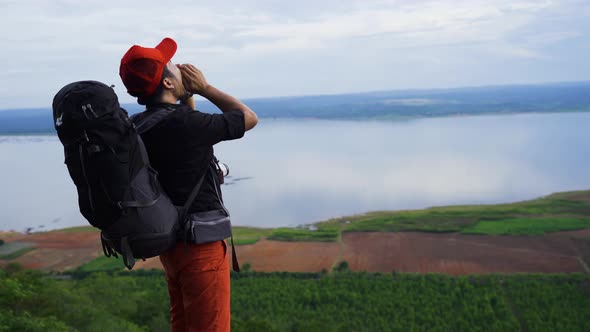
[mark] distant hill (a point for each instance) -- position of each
(544, 98)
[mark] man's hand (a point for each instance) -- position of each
(193, 80)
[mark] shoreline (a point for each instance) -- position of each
(385, 118)
(584, 196)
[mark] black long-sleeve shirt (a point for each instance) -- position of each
(180, 148)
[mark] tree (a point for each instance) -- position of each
(341, 267)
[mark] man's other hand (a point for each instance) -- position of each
(193, 80)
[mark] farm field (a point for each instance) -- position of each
(454, 254)
(546, 235)
(510, 267)
(458, 254)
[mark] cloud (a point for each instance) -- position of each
(251, 47)
(423, 25)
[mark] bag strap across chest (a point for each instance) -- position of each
(150, 118)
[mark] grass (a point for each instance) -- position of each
(78, 229)
(249, 235)
(16, 254)
(558, 212)
(11, 247)
(323, 234)
(528, 226)
(102, 263)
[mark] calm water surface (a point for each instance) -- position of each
(290, 172)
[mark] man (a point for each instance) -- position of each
(180, 148)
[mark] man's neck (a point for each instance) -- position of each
(168, 98)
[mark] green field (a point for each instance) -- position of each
(16, 254)
(12, 247)
(249, 235)
(78, 229)
(557, 212)
(528, 226)
(102, 263)
(322, 234)
(137, 301)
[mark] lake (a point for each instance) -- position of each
(293, 172)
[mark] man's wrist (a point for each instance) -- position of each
(187, 95)
(205, 91)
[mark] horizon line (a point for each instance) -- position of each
(483, 86)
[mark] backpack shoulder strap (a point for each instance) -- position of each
(151, 117)
(197, 188)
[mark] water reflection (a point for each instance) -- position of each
(312, 170)
(294, 172)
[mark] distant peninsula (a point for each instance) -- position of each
(380, 105)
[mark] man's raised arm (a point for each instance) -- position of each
(194, 82)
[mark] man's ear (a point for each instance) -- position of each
(168, 84)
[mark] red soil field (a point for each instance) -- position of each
(58, 251)
(460, 254)
(374, 252)
(279, 256)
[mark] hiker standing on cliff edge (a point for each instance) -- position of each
(180, 148)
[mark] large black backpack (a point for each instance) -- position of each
(118, 191)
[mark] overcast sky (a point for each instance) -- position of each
(269, 48)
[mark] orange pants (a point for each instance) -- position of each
(199, 286)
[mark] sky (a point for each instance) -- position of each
(265, 48)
